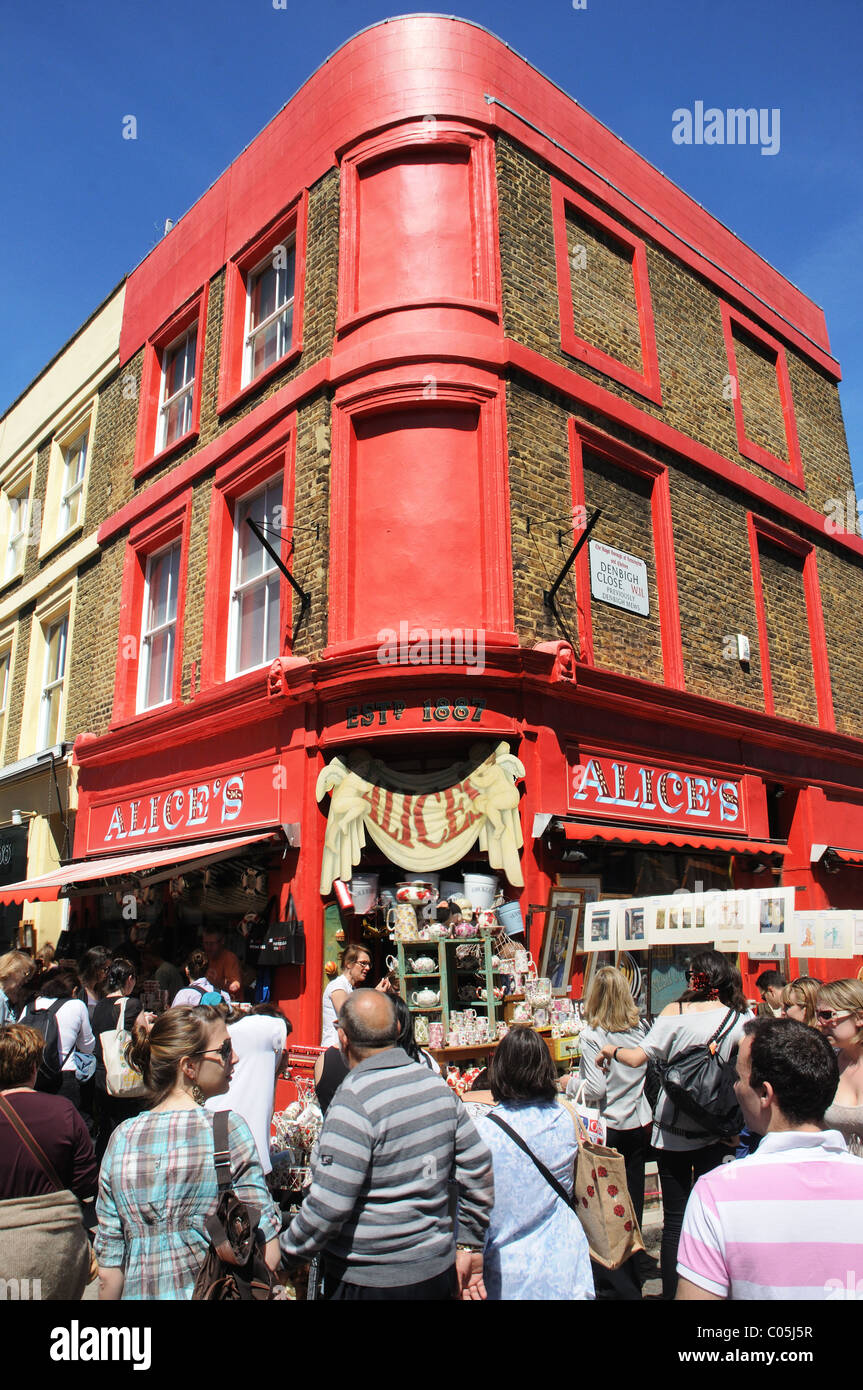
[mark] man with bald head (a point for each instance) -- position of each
(378, 1207)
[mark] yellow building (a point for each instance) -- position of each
(47, 446)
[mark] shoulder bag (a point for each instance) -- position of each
(42, 1238)
(121, 1078)
(701, 1085)
(234, 1266)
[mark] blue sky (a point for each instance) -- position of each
(81, 206)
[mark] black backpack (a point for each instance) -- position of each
(701, 1085)
(49, 1074)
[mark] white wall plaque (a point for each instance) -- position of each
(618, 578)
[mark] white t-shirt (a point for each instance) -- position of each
(259, 1042)
(73, 1025)
(329, 1037)
(672, 1034)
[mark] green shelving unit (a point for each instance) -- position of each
(449, 978)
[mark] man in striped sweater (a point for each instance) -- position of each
(378, 1207)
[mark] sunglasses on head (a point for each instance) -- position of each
(830, 1016)
(224, 1051)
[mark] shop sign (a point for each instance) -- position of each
(415, 712)
(635, 791)
(618, 578)
(422, 822)
(236, 798)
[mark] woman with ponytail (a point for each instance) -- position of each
(158, 1180)
(685, 1150)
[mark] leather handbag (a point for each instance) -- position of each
(42, 1238)
(234, 1267)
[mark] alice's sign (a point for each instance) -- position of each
(613, 787)
(231, 799)
(422, 822)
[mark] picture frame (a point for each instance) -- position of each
(563, 922)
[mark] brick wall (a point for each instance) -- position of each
(759, 393)
(787, 634)
(603, 290)
(693, 363)
(841, 585)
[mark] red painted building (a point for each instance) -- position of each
(371, 334)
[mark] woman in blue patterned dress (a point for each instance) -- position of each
(158, 1180)
(535, 1247)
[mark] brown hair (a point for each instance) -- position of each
(177, 1033)
(522, 1068)
(609, 1002)
(844, 995)
(804, 992)
(21, 1051)
(16, 966)
(196, 964)
(351, 954)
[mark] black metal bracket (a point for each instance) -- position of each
(305, 599)
(63, 820)
(549, 595)
(536, 907)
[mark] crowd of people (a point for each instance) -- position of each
(762, 1186)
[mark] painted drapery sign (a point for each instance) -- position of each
(423, 822)
(636, 791)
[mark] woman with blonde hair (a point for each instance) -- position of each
(800, 1000)
(839, 1014)
(16, 969)
(618, 1091)
(158, 1181)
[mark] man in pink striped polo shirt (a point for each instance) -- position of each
(786, 1222)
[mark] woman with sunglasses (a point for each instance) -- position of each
(158, 1180)
(839, 1015)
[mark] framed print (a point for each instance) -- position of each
(589, 888)
(804, 934)
(835, 935)
(634, 937)
(565, 908)
(600, 925)
(858, 933)
(775, 908)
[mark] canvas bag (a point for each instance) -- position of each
(42, 1237)
(234, 1266)
(592, 1119)
(602, 1200)
(121, 1079)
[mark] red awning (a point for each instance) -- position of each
(195, 855)
(678, 839)
(847, 856)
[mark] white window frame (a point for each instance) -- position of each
(56, 682)
(239, 590)
(18, 500)
(147, 634)
(5, 656)
(76, 489)
(187, 389)
(250, 333)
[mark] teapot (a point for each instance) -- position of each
(423, 965)
(425, 998)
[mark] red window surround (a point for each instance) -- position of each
(583, 436)
(449, 253)
(646, 382)
(790, 468)
(158, 530)
(234, 480)
(290, 225)
(146, 458)
(759, 529)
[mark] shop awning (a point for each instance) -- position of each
(62, 882)
(675, 839)
(847, 856)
